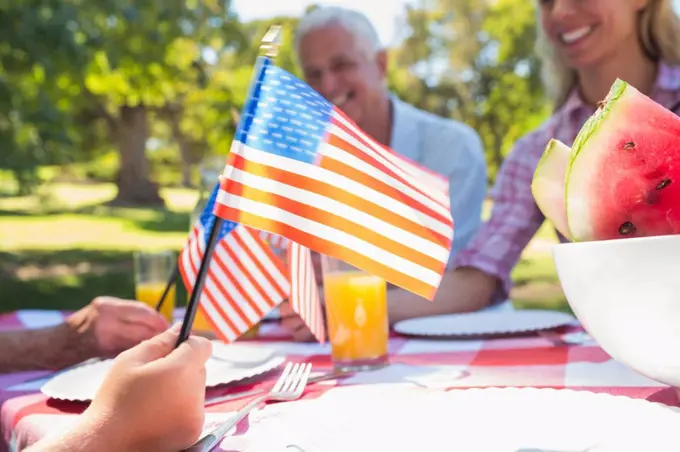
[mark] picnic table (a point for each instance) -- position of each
(27, 415)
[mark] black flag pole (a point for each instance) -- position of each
(171, 282)
(269, 48)
(172, 279)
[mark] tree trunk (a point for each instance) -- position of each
(184, 149)
(134, 186)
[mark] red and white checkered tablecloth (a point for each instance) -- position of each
(27, 415)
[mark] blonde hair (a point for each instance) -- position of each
(659, 34)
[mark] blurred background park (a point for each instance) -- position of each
(109, 107)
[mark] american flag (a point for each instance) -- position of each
(276, 241)
(303, 170)
(304, 293)
(245, 279)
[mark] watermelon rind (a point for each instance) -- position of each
(578, 170)
(548, 184)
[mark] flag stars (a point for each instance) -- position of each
(227, 227)
(208, 219)
(291, 117)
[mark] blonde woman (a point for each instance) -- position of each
(585, 46)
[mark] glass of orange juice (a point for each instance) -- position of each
(356, 315)
(152, 271)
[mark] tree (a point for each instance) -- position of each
(34, 127)
(473, 60)
(115, 62)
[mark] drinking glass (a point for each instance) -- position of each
(152, 271)
(356, 314)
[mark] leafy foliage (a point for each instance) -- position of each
(68, 65)
(474, 61)
(157, 83)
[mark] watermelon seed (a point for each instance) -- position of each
(601, 104)
(663, 184)
(629, 145)
(627, 228)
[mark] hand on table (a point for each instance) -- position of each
(292, 322)
(152, 398)
(101, 329)
(112, 324)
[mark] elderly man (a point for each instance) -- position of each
(103, 328)
(341, 57)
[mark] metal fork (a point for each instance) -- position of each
(289, 386)
(334, 374)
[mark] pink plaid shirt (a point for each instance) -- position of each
(515, 218)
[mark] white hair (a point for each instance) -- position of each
(354, 22)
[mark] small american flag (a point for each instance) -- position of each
(276, 241)
(301, 169)
(304, 293)
(245, 279)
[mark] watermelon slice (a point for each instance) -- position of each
(547, 185)
(623, 178)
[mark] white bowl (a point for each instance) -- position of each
(626, 294)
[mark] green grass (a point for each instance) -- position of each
(537, 285)
(68, 216)
(63, 246)
(63, 279)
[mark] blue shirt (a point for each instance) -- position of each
(452, 149)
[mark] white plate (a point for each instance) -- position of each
(82, 383)
(242, 353)
(372, 418)
(484, 323)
